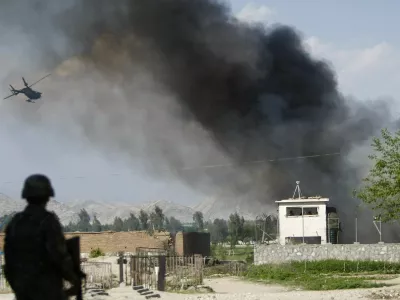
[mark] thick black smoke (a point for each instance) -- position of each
(256, 90)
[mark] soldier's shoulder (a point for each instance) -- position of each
(14, 219)
(16, 216)
(52, 216)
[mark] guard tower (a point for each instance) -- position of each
(302, 220)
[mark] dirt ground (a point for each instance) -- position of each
(236, 289)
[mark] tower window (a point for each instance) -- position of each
(310, 211)
(299, 211)
(293, 211)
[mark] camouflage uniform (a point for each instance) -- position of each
(36, 257)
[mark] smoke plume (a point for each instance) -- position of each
(253, 91)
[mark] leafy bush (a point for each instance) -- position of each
(230, 269)
(213, 249)
(96, 253)
(219, 251)
(250, 257)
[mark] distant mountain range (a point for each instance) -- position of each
(106, 212)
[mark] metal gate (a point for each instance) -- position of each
(98, 273)
(154, 272)
(145, 270)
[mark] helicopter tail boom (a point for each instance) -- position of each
(14, 91)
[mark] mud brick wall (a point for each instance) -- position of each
(1, 241)
(265, 254)
(179, 247)
(112, 242)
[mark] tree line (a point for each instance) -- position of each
(153, 221)
(231, 231)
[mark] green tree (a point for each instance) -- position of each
(118, 224)
(236, 228)
(84, 221)
(218, 231)
(198, 219)
(157, 218)
(106, 227)
(173, 225)
(144, 220)
(71, 227)
(96, 225)
(249, 231)
(132, 223)
(381, 190)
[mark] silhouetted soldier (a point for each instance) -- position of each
(36, 257)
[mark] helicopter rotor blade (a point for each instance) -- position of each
(9, 96)
(39, 80)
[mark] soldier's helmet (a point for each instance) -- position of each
(37, 186)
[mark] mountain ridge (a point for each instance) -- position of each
(107, 211)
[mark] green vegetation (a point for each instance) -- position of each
(155, 220)
(219, 252)
(382, 189)
(324, 275)
(96, 253)
(230, 269)
(198, 220)
(243, 253)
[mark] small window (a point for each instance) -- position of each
(293, 211)
(310, 211)
(299, 211)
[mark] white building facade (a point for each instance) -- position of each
(302, 220)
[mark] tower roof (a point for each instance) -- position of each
(303, 200)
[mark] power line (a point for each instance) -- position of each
(260, 161)
(196, 167)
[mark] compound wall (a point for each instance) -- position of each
(264, 254)
(113, 242)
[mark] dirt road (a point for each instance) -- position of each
(235, 289)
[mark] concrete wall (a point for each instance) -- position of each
(264, 254)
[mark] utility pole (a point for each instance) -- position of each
(356, 224)
(302, 221)
(297, 189)
(378, 220)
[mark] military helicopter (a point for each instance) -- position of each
(27, 91)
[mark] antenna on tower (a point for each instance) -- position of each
(297, 189)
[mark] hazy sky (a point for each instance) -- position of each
(358, 37)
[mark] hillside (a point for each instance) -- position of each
(8, 205)
(106, 212)
(213, 208)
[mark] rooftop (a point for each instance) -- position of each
(303, 199)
